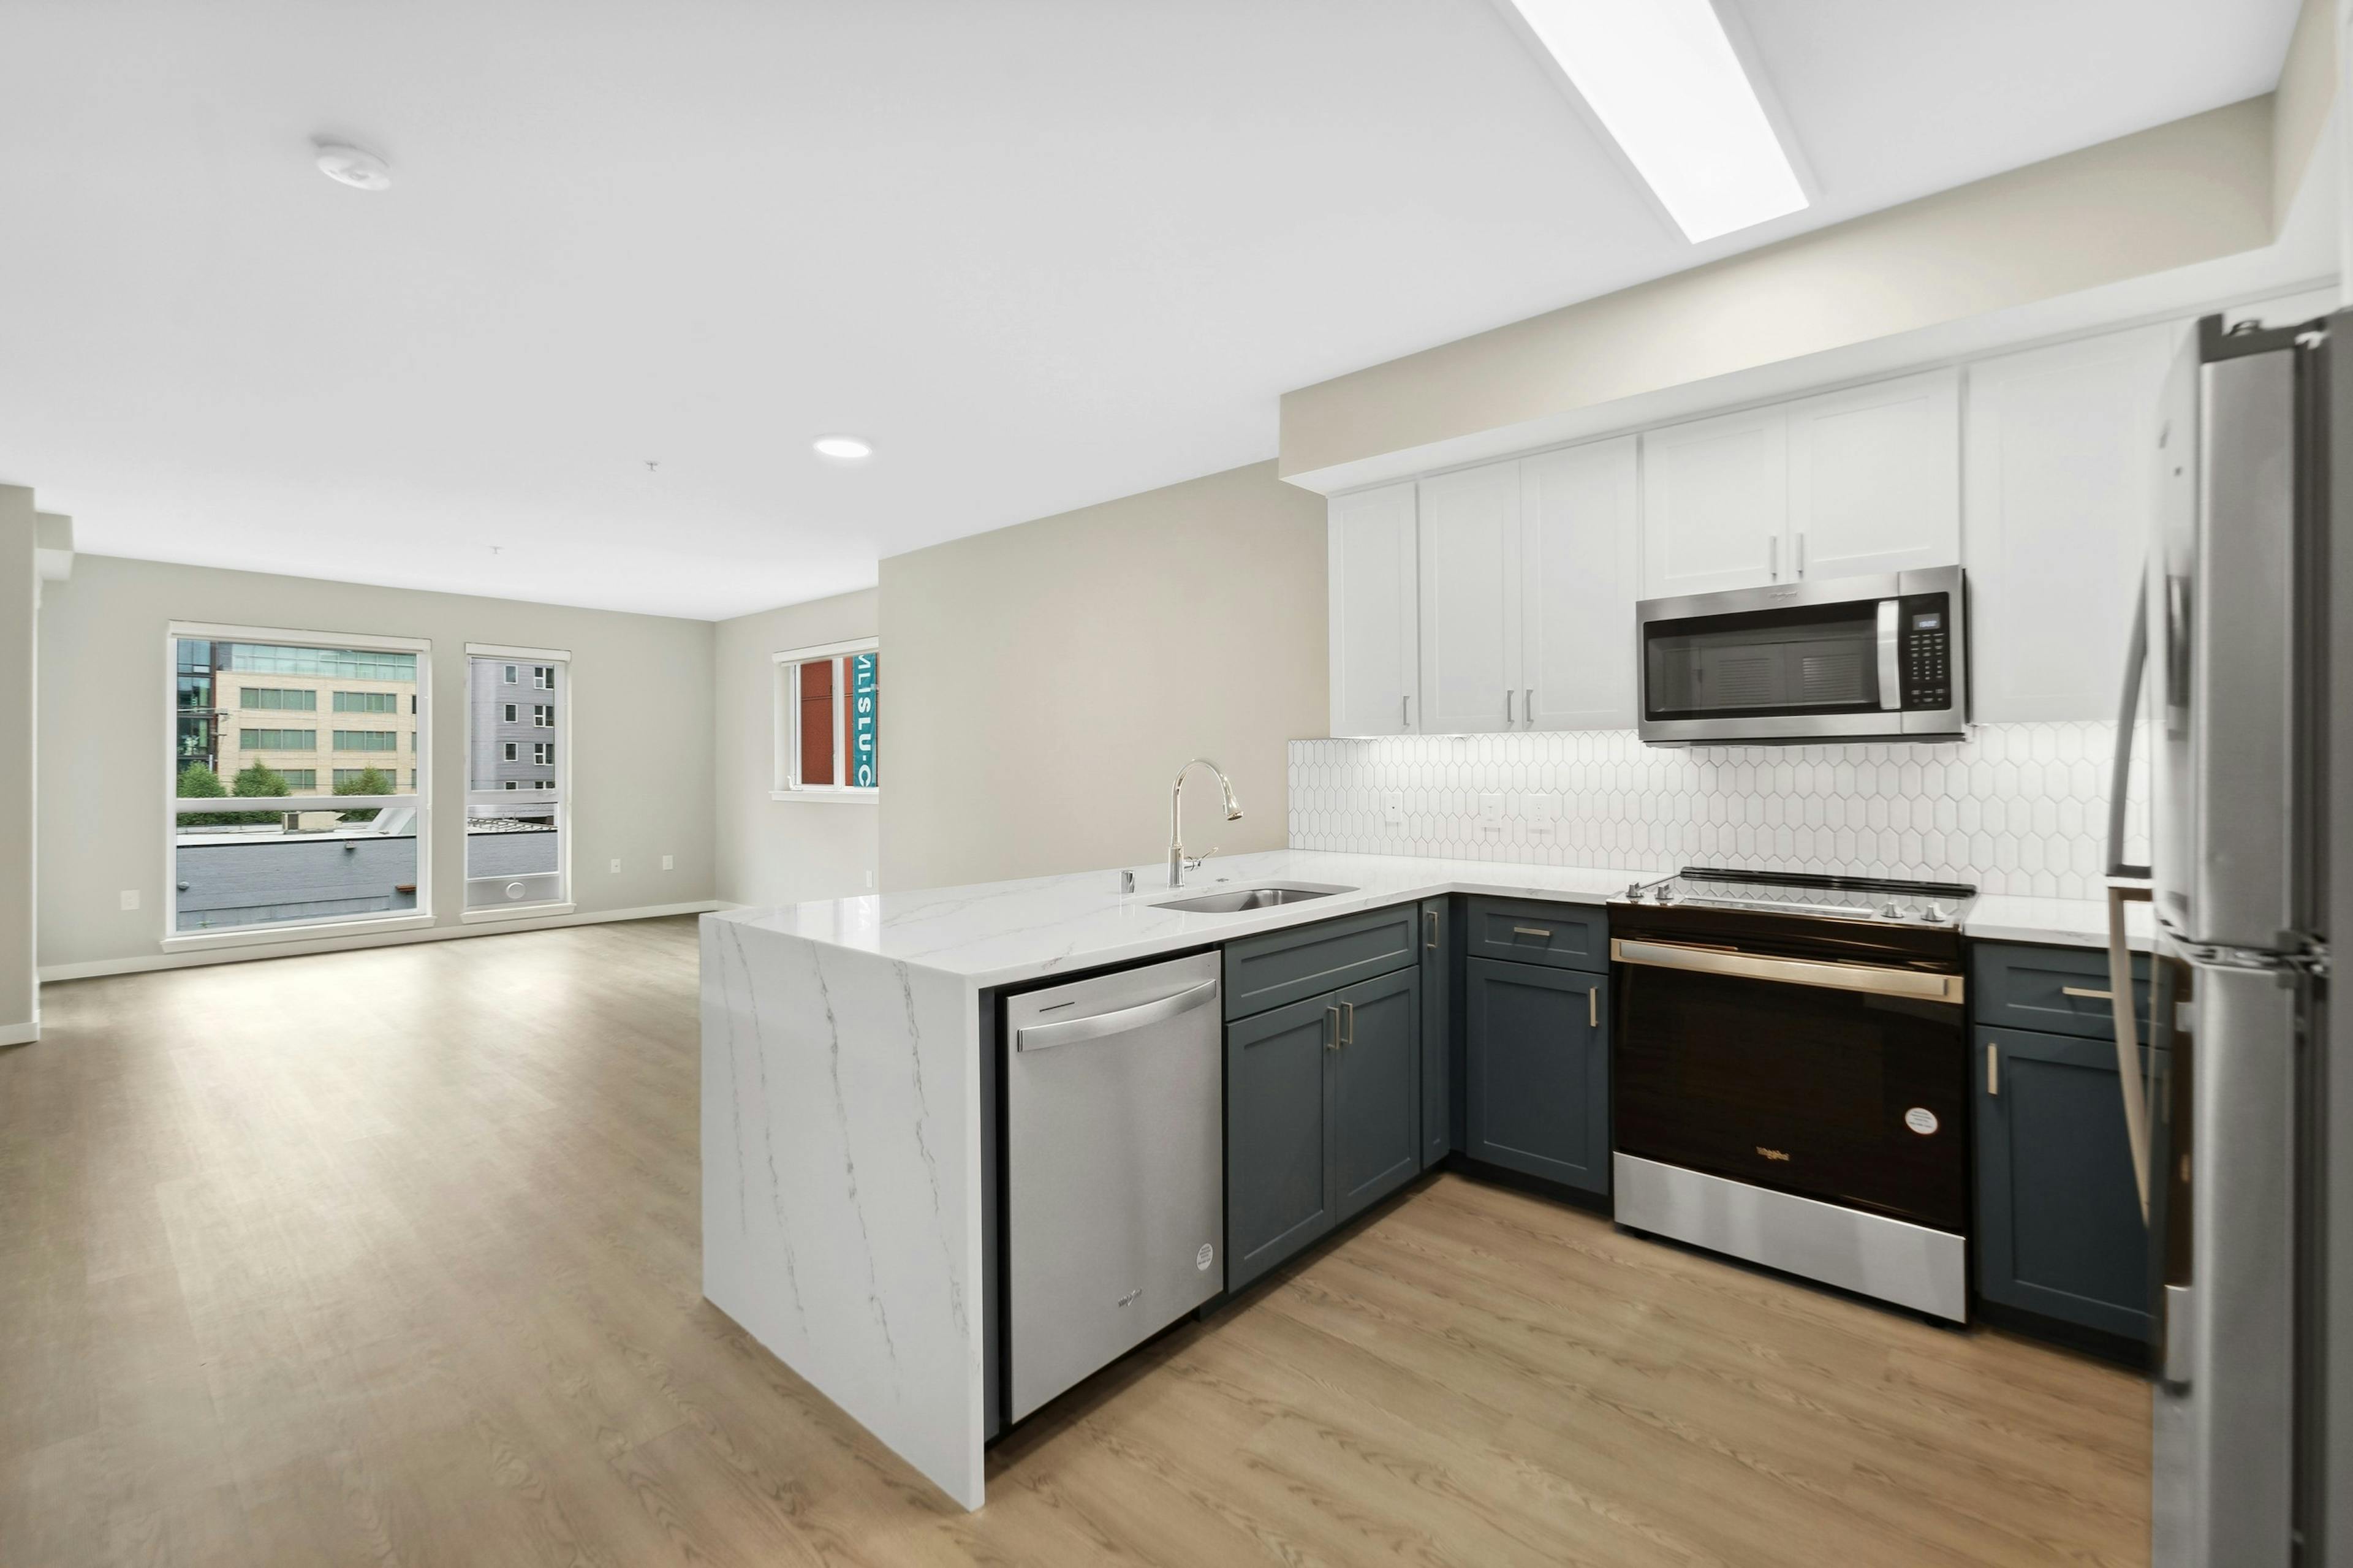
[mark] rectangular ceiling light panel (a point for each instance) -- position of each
(1663, 77)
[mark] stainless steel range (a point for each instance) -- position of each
(1790, 1076)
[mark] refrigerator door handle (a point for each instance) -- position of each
(2120, 975)
(2128, 716)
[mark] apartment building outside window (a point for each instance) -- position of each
(276, 852)
(829, 721)
(517, 850)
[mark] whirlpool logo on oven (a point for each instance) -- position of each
(1781, 1155)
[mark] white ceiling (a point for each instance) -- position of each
(1042, 252)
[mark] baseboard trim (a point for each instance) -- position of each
(140, 963)
(20, 1034)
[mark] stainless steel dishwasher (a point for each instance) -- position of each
(1114, 1167)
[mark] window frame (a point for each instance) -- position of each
(785, 721)
(174, 940)
(560, 696)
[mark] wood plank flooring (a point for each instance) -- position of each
(391, 1257)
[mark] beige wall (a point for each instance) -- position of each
(785, 851)
(1043, 683)
(19, 590)
(641, 719)
(2168, 197)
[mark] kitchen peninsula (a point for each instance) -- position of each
(845, 1099)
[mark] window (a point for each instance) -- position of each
(272, 851)
(365, 702)
(367, 740)
(828, 720)
(516, 851)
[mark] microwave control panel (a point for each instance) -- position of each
(1926, 651)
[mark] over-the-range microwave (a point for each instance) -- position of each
(1851, 658)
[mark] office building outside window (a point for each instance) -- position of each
(516, 849)
(277, 851)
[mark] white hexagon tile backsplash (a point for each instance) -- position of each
(2014, 809)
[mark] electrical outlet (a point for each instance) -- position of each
(668, 861)
(1393, 807)
(1491, 806)
(616, 865)
(130, 898)
(1538, 805)
(870, 879)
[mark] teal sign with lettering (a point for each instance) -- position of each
(862, 720)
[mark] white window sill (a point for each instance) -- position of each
(512, 912)
(828, 796)
(263, 936)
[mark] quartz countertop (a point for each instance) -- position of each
(998, 933)
(2061, 922)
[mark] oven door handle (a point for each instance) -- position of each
(1869, 977)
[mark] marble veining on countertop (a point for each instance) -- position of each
(994, 933)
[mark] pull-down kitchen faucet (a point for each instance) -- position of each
(1177, 864)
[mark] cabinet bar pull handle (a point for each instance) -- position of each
(1773, 555)
(1332, 1027)
(2087, 993)
(1801, 554)
(1993, 1067)
(1429, 918)
(1528, 708)
(1405, 712)
(1531, 931)
(1593, 1008)
(1349, 1023)
(1508, 694)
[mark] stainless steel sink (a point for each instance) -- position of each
(1233, 900)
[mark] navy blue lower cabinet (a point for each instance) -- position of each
(1437, 1032)
(1279, 1173)
(1536, 1078)
(1376, 1089)
(2059, 1223)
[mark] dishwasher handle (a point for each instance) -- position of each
(1071, 1031)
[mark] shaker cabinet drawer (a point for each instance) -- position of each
(1300, 962)
(2057, 990)
(1565, 936)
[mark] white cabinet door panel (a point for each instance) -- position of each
(1469, 600)
(1875, 478)
(1715, 503)
(1579, 551)
(1376, 662)
(2059, 454)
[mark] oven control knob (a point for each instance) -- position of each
(1890, 910)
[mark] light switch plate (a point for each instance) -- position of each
(1393, 807)
(616, 865)
(130, 898)
(668, 861)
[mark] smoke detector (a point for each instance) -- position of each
(353, 167)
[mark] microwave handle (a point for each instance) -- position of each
(1891, 667)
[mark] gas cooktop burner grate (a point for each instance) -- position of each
(1885, 899)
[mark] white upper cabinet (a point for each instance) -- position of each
(1470, 600)
(1875, 479)
(1580, 548)
(1849, 483)
(1376, 662)
(2058, 461)
(1715, 503)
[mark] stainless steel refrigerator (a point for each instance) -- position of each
(2228, 1106)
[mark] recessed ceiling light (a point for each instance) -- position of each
(843, 448)
(1665, 79)
(353, 167)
